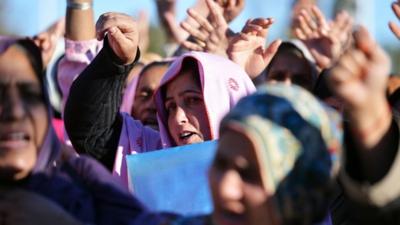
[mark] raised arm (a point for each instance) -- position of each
(371, 133)
(80, 20)
(92, 111)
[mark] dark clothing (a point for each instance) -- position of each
(86, 190)
(370, 200)
(92, 117)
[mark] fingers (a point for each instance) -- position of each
(195, 32)
(395, 29)
(321, 21)
(271, 50)
(321, 60)
(342, 24)
(216, 13)
(258, 26)
(396, 9)
(251, 28)
(304, 23)
(240, 43)
(364, 41)
(178, 34)
(300, 34)
(203, 22)
(107, 21)
(192, 46)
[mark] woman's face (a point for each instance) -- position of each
(144, 108)
(23, 115)
(291, 69)
(187, 117)
(236, 185)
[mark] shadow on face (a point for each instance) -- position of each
(289, 66)
(238, 192)
(23, 114)
(144, 108)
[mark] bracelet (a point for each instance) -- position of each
(79, 5)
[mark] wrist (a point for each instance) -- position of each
(79, 4)
(370, 123)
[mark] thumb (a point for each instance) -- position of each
(271, 50)
(116, 36)
(364, 41)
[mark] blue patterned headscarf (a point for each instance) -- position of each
(297, 141)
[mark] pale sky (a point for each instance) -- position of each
(28, 17)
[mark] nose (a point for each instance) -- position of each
(150, 106)
(230, 188)
(287, 81)
(180, 115)
(12, 106)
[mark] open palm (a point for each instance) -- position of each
(247, 48)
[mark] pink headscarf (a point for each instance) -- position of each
(223, 83)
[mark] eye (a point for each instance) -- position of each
(249, 175)
(220, 163)
(31, 94)
(193, 100)
(170, 106)
(144, 95)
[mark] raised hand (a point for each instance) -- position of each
(247, 48)
(359, 80)
(394, 27)
(167, 13)
(47, 40)
(123, 35)
(325, 41)
(213, 33)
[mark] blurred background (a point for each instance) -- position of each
(26, 18)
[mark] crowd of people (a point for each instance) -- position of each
(307, 128)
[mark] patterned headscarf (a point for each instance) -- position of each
(297, 141)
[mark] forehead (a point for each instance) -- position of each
(184, 81)
(15, 67)
(233, 144)
(153, 74)
(289, 61)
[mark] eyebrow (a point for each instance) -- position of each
(184, 92)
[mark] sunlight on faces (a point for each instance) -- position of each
(144, 108)
(23, 115)
(187, 117)
(238, 192)
(290, 68)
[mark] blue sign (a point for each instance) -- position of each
(174, 179)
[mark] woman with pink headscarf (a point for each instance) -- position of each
(195, 93)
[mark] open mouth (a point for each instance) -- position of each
(186, 135)
(14, 140)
